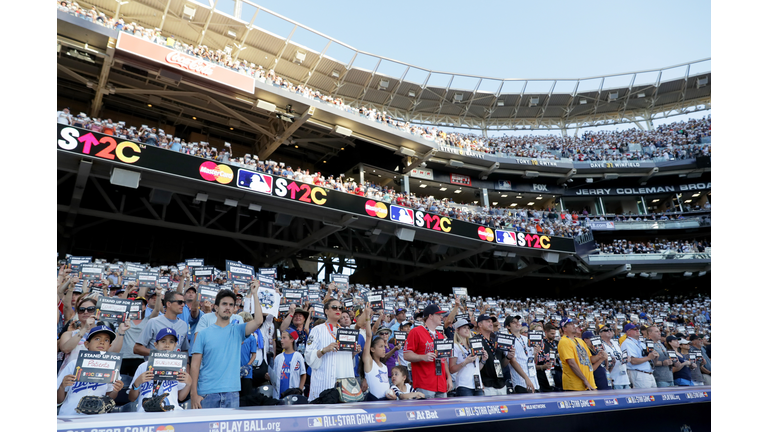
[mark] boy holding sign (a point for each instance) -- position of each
(71, 390)
(143, 380)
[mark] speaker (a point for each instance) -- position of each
(125, 178)
(157, 196)
(405, 234)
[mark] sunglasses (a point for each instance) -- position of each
(179, 302)
(89, 309)
(336, 308)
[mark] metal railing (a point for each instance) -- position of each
(625, 258)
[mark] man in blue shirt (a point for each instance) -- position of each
(215, 364)
(191, 312)
(639, 369)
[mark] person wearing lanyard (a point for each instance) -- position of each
(522, 362)
(617, 367)
(662, 371)
(681, 369)
(598, 358)
(464, 364)
(574, 356)
(639, 367)
(492, 373)
(550, 349)
(430, 376)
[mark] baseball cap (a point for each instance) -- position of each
(141, 299)
(509, 319)
(693, 337)
(629, 326)
(564, 322)
(461, 322)
(293, 334)
(670, 338)
(398, 310)
(101, 329)
(587, 335)
(482, 317)
(433, 309)
(605, 328)
(165, 332)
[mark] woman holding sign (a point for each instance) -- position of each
(466, 364)
(328, 363)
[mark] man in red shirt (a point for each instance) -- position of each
(420, 351)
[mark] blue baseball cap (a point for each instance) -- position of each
(165, 332)
(566, 321)
(629, 326)
(101, 329)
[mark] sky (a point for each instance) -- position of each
(503, 39)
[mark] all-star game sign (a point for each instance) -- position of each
(98, 367)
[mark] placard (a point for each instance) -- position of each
(460, 293)
(91, 272)
(376, 299)
(132, 270)
(349, 303)
(293, 295)
(505, 341)
(113, 310)
(98, 367)
(147, 279)
(596, 342)
(237, 271)
(400, 336)
(166, 365)
(194, 262)
(347, 339)
(202, 273)
(535, 337)
(341, 281)
(208, 292)
(317, 310)
(476, 344)
(270, 301)
(444, 348)
(75, 262)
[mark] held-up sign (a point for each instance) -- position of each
(293, 296)
(202, 274)
(270, 301)
(649, 345)
(535, 337)
(195, 262)
(476, 344)
(317, 310)
(348, 303)
(114, 310)
(132, 270)
(341, 281)
(460, 293)
(208, 292)
(505, 341)
(92, 272)
(166, 365)
(376, 299)
(347, 339)
(400, 336)
(596, 342)
(147, 279)
(98, 367)
(444, 348)
(239, 272)
(76, 262)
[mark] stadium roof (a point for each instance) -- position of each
(420, 95)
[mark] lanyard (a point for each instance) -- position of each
(493, 345)
(329, 327)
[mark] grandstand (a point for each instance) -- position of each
(185, 132)
(273, 100)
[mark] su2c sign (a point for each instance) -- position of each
(300, 191)
(126, 151)
(434, 222)
(523, 239)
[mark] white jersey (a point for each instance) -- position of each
(293, 371)
(145, 391)
(329, 367)
(76, 391)
(378, 383)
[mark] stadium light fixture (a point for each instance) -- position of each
(230, 202)
(613, 95)
(458, 97)
(513, 205)
(641, 95)
(499, 103)
(495, 203)
(701, 82)
(411, 93)
(457, 191)
(231, 33)
(423, 185)
(443, 189)
(335, 74)
(530, 203)
(504, 196)
(582, 101)
(383, 84)
(254, 207)
(539, 197)
(201, 197)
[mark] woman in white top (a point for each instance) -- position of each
(376, 373)
(463, 365)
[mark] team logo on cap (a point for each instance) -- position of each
(220, 173)
(485, 234)
(374, 208)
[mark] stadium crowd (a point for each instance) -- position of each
(621, 246)
(528, 345)
(673, 141)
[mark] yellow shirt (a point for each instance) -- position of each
(575, 349)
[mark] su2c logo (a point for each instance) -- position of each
(522, 239)
(311, 194)
(433, 222)
(126, 151)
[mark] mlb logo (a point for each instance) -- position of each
(561, 404)
(254, 181)
(460, 412)
(401, 214)
(315, 422)
(523, 407)
(411, 415)
(213, 425)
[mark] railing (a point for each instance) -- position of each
(624, 258)
(647, 225)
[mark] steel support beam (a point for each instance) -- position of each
(83, 171)
(207, 22)
(270, 148)
(450, 260)
(425, 157)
